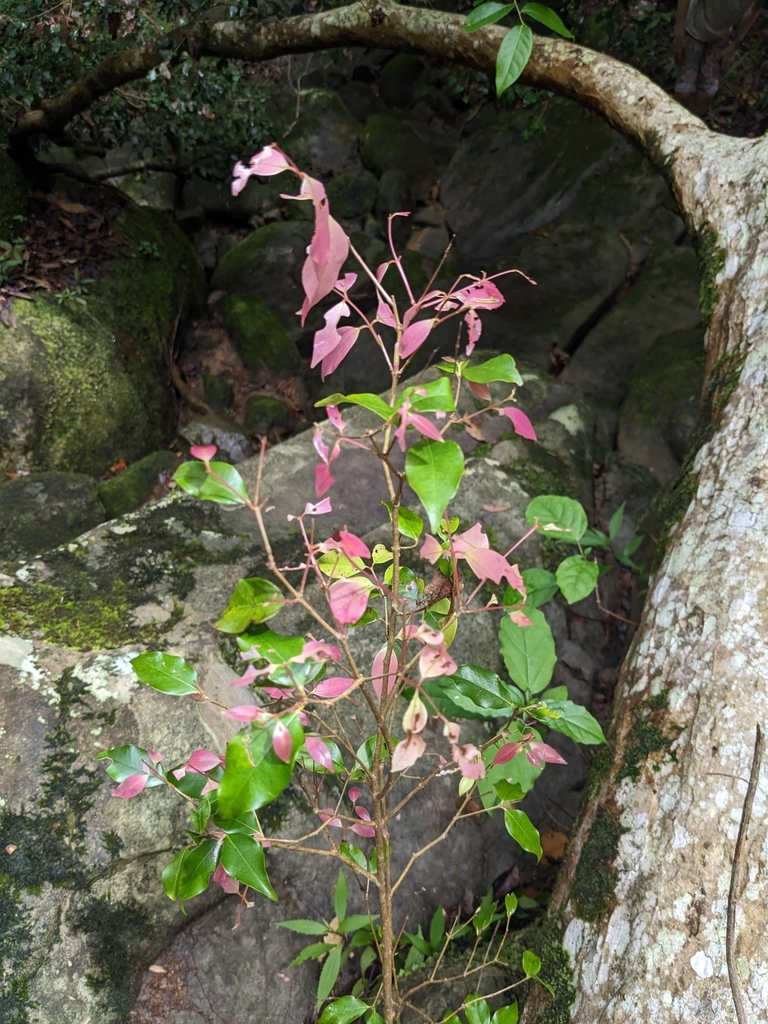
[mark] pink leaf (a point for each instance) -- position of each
(482, 294)
(470, 761)
(334, 686)
(335, 417)
(349, 599)
(328, 250)
(269, 161)
(320, 650)
(205, 452)
(515, 579)
(319, 752)
(425, 426)
(209, 786)
(245, 713)
(203, 760)
(354, 794)
(435, 661)
(323, 479)
(363, 812)
(352, 546)
(481, 390)
(407, 752)
(346, 282)
(227, 883)
(520, 619)
(486, 564)
(378, 672)
(247, 677)
(282, 742)
(474, 330)
(131, 786)
(384, 313)
(415, 717)
(277, 692)
(363, 830)
(326, 816)
(414, 336)
(334, 359)
(538, 753)
(520, 422)
(431, 549)
(507, 752)
(328, 337)
(452, 731)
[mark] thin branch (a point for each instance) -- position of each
(733, 893)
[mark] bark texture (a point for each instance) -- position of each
(694, 684)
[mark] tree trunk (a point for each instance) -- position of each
(650, 863)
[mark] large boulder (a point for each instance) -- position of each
(86, 383)
(80, 873)
(43, 510)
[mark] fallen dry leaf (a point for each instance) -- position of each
(157, 969)
(496, 508)
(10, 848)
(553, 844)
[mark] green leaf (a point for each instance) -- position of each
(528, 651)
(200, 814)
(594, 539)
(336, 565)
(546, 16)
(512, 57)
(522, 830)
(437, 396)
(434, 470)
(355, 921)
(437, 928)
(340, 897)
(371, 402)
(540, 586)
(243, 858)
(229, 489)
(420, 943)
(247, 823)
(615, 524)
(367, 957)
(506, 1014)
(486, 14)
(165, 672)
(254, 775)
(128, 760)
(481, 693)
(304, 926)
(312, 952)
(353, 853)
(575, 721)
(511, 792)
(172, 874)
(343, 1011)
(408, 523)
(576, 578)
(564, 514)
(531, 964)
(329, 973)
(502, 368)
(271, 646)
(510, 903)
(254, 600)
(477, 1011)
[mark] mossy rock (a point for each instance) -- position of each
(351, 195)
(14, 197)
(258, 335)
(326, 137)
(399, 78)
(84, 386)
(131, 488)
(215, 198)
(268, 263)
(391, 144)
(264, 414)
(43, 510)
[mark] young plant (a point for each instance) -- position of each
(294, 727)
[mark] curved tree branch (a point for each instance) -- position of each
(633, 104)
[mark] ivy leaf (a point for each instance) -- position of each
(575, 721)
(546, 16)
(528, 651)
(165, 672)
(523, 831)
(242, 857)
(500, 368)
(564, 514)
(228, 490)
(512, 57)
(343, 1011)
(576, 578)
(254, 600)
(434, 470)
(129, 760)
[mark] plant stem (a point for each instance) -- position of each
(384, 882)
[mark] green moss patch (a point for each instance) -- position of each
(645, 738)
(258, 335)
(711, 261)
(131, 488)
(594, 881)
